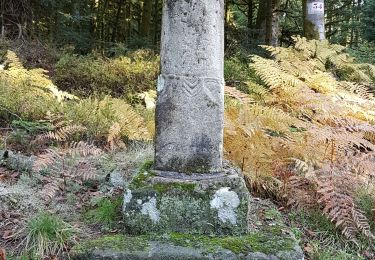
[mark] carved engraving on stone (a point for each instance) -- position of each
(211, 88)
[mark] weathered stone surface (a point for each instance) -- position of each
(181, 247)
(314, 25)
(159, 202)
(190, 104)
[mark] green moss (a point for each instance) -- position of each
(116, 242)
(258, 242)
(164, 187)
(146, 166)
(144, 173)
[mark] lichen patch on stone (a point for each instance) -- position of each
(226, 201)
(160, 86)
(149, 208)
(127, 198)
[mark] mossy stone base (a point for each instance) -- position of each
(259, 245)
(160, 202)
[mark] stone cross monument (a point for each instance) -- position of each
(189, 189)
(190, 106)
(314, 26)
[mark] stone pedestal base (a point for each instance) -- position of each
(211, 217)
(165, 202)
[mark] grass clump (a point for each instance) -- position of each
(321, 240)
(106, 212)
(47, 235)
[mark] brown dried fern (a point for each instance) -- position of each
(237, 94)
(60, 134)
(50, 190)
(83, 149)
(340, 209)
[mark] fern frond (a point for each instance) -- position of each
(362, 223)
(83, 149)
(239, 95)
(50, 190)
(86, 171)
(300, 193)
(47, 159)
(357, 89)
(114, 137)
(132, 124)
(61, 133)
(272, 74)
(339, 208)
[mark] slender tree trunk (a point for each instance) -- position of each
(329, 8)
(156, 22)
(146, 18)
(268, 17)
(102, 24)
(261, 20)
(272, 22)
(313, 19)
(2, 19)
(117, 20)
(250, 14)
(226, 25)
(359, 12)
(353, 19)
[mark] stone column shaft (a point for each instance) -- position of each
(190, 105)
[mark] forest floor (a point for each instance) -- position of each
(88, 209)
(93, 209)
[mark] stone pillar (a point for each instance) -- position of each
(189, 189)
(314, 19)
(190, 105)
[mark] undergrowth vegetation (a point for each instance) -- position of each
(28, 95)
(120, 77)
(307, 135)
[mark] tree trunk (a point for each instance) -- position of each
(117, 20)
(313, 19)
(2, 36)
(250, 14)
(156, 22)
(146, 18)
(226, 23)
(261, 16)
(272, 23)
